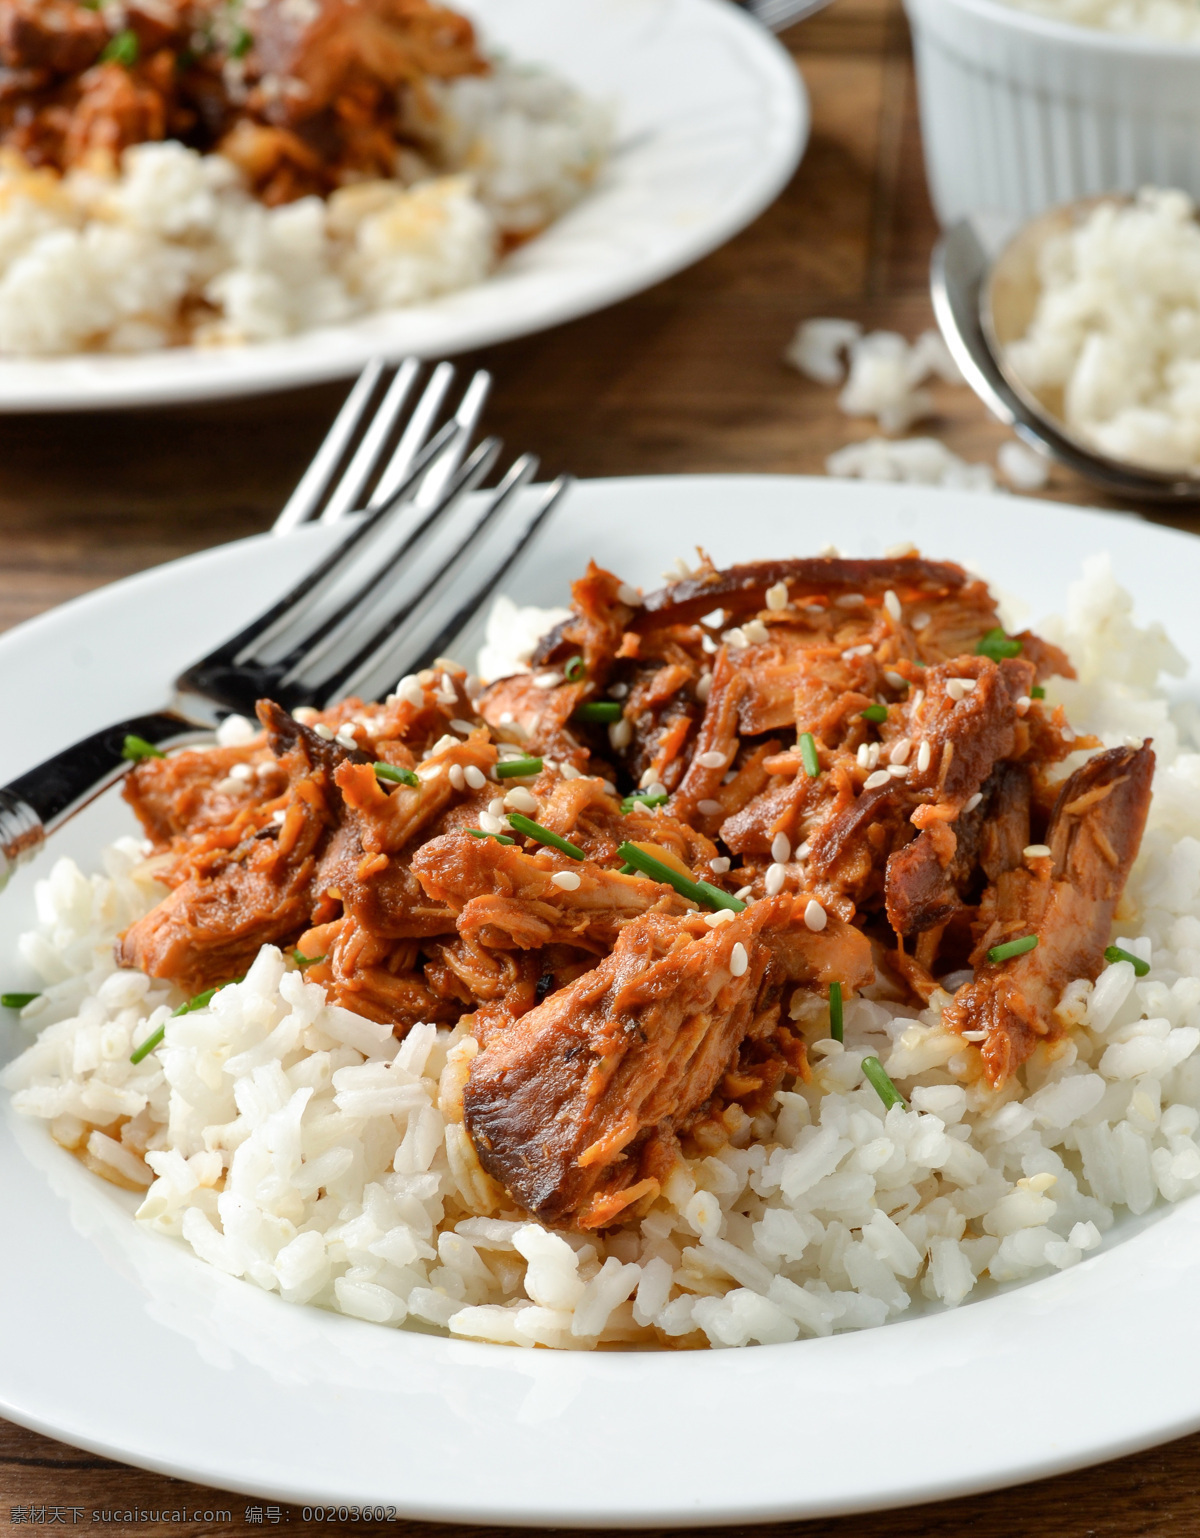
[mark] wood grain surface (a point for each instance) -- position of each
(687, 377)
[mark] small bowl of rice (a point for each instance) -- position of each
(1026, 104)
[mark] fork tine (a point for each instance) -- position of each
(419, 427)
(331, 631)
(304, 501)
(347, 494)
(441, 644)
(470, 409)
(368, 659)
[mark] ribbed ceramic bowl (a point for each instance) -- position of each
(1019, 113)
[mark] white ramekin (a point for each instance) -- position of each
(1019, 113)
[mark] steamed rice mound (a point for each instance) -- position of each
(301, 1147)
(1173, 21)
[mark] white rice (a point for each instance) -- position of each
(175, 249)
(1175, 21)
(1117, 330)
(301, 1147)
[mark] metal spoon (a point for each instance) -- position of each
(983, 278)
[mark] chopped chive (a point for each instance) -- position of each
(148, 1046)
(532, 829)
(507, 768)
(1012, 948)
(242, 44)
(19, 1000)
(1037, 692)
(808, 754)
(137, 748)
(700, 892)
(575, 670)
(121, 49)
(597, 710)
(1115, 953)
(996, 644)
(876, 1076)
(642, 798)
(306, 961)
(501, 838)
(835, 1011)
(394, 772)
(874, 713)
(628, 870)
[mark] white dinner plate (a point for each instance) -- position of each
(711, 118)
(123, 1342)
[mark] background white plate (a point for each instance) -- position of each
(123, 1342)
(711, 119)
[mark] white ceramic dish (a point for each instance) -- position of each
(123, 1342)
(1020, 113)
(711, 119)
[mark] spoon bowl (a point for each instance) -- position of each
(985, 285)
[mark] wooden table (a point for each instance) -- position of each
(685, 378)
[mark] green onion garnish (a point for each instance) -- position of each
(121, 49)
(835, 1011)
(242, 44)
(808, 755)
(597, 710)
(876, 1075)
(997, 645)
(628, 870)
(1111, 953)
(137, 748)
(532, 829)
(501, 838)
(575, 670)
(306, 961)
(700, 892)
(1012, 948)
(200, 1001)
(148, 1046)
(508, 768)
(396, 773)
(1037, 692)
(642, 798)
(19, 1000)
(874, 713)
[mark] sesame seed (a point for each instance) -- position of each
(862, 650)
(457, 778)
(815, 917)
(924, 757)
(743, 892)
(955, 688)
(346, 739)
(241, 772)
(900, 751)
(898, 552)
(735, 638)
(874, 781)
(756, 632)
(1067, 734)
(567, 879)
(703, 687)
(729, 776)
(719, 865)
(507, 718)
(609, 787)
(569, 772)
(849, 600)
(519, 799)
(305, 714)
(463, 727)
(738, 960)
(830, 552)
(618, 691)
(629, 595)
(620, 734)
(227, 786)
(781, 848)
(648, 777)
(892, 604)
(804, 850)
(656, 788)
(898, 771)
(776, 875)
(1023, 704)
(474, 777)
(1036, 851)
(974, 1035)
(874, 749)
(972, 802)
(863, 755)
(496, 806)
(777, 597)
(708, 808)
(919, 621)
(279, 815)
(323, 731)
(897, 680)
(443, 744)
(721, 916)
(546, 681)
(711, 760)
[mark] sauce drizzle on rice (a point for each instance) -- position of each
(573, 1114)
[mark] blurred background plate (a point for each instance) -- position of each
(711, 120)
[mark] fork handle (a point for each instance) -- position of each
(38, 802)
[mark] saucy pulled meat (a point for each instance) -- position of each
(744, 788)
(302, 95)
